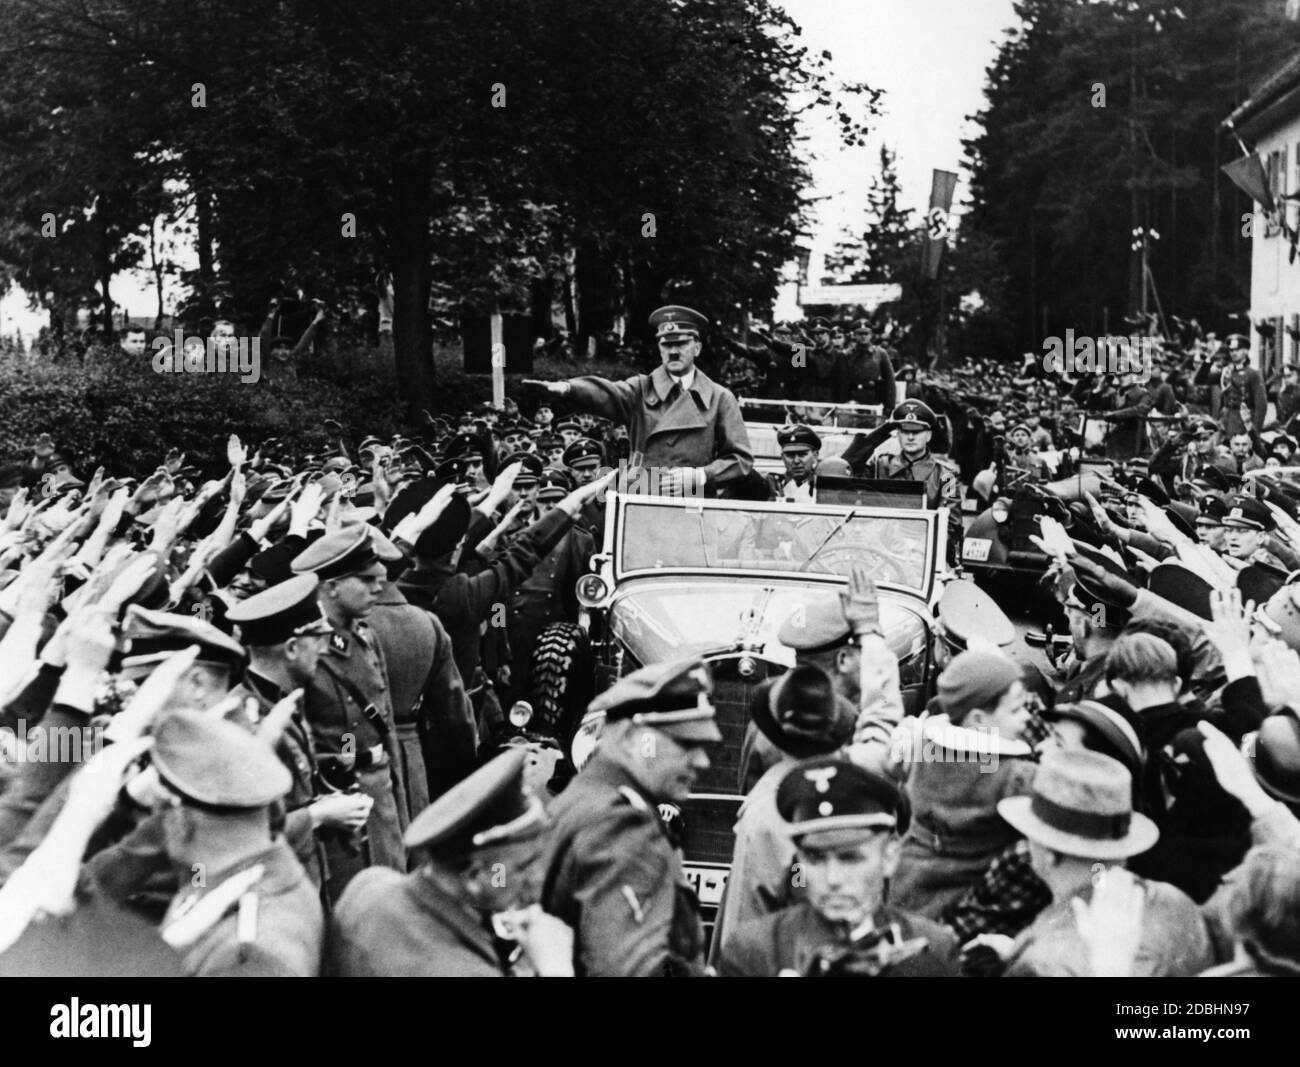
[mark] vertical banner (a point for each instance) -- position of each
(498, 363)
(936, 221)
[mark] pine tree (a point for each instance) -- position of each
(877, 255)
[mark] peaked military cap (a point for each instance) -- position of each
(815, 628)
(286, 610)
(1247, 513)
(530, 470)
(491, 806)
(674, 322)
(341, 554)
(674, 697)
(464, 444)
(798, 436)
(554, 484)
(584, 448)
(965, 609)
(149, 637)
(213, 763)
(914, 414)
(828, 801)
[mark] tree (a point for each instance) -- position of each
(468, 150)
(1061, 173)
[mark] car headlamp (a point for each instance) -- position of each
(591, 590)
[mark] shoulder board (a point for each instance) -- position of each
(211, 908)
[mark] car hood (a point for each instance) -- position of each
(659, 620)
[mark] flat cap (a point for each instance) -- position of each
(828, 802)
(673, 697)
(798, 437)
(674, 322)
(213, 763)
(491, 806)
(149, 637)
(286, 610)
(346, 552)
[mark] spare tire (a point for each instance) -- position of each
(563, 682)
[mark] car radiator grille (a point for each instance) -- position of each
(708, 820)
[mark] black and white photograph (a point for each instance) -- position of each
(650, 488)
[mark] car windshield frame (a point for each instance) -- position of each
(618, 532)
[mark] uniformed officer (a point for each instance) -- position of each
(437, 735)
(569, 429)
(611, 871)
(1021, 455)
(348, 704)
(843, 821)
(584, 458)
(547, 594)
(800, 452)
(471, 910)
(254, 912)
(915, 423)
(286, 634)
(677, 416)
(1246, 523)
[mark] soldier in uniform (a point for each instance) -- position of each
(547, 595)
(1020, 454)
(914, 462)
(677, 416)
(254, 912)
(611, 872)
(286, 634)
(437, 735)
(471, 909)
(800, 452)
(842, 819)
(348, 703)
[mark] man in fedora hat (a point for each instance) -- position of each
(802, 718)
(1080, 823)
(842, 820)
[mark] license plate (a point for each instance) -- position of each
(708, 882)
(976, 549)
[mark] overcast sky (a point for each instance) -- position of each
(929, 56)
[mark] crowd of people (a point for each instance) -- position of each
(267, 714)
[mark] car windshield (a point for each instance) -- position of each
(659, 536)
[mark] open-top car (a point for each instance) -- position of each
(836, 424)
(716, 579)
